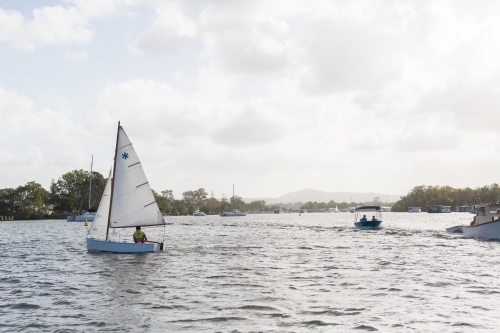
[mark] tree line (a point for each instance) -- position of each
(422, 196)
(69, 195)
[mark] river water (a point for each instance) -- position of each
(259, 273)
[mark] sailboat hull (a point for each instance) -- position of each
(120, 247)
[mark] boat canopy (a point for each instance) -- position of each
(363, 208)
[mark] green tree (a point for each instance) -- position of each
(7, 198)
(163, 203)
(71, 191)
(238, 203)
(179, 208)
(194, 200)
(224, 204)
(31, 201)
(257, 206)
(422, 196)
(212, 205)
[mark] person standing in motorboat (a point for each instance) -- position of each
(139, 236)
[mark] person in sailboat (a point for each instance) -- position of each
(139, 236)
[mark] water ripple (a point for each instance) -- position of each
(261, 273)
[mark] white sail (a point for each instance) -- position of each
(133, 201)
(100, 223)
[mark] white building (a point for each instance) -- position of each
(414, 210)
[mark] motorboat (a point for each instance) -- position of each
(198, 213)
(486, 222)
(234, 212)
(364, 222)
(458, 229)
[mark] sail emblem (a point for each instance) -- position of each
(125, 155)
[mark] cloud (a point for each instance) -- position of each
(53, 24)
(168, 32)
(249, 129)
(346, 53)
(240, 42)
(75, 56)
(470, 106)
(19, 116)
(32, 156)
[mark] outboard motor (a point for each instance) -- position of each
(161, 246)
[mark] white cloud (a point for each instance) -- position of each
(249, 129)
(75, 56)
(243, 43)
(52, 25)
(170, 29)
(277, 91)
(32, 156)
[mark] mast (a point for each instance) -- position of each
(90, 188)
(113, 182)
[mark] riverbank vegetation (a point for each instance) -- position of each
(422, 196)
(69, 195)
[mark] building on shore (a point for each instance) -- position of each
(463, 209)
(438, 209)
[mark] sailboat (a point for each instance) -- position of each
(234, 212)
(127, 202)
(86, 216)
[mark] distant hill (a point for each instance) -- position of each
(308, 194)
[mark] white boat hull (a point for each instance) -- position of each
(458, 229)
(81, 218)
(94, 244)
(484, 230)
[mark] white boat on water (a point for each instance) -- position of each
(234, 212)
(127, 202)
(198, 213)
(81, 218)
(486, 223)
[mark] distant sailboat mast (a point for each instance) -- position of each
(113, 182)
(90, 188)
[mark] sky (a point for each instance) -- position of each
(272, 96)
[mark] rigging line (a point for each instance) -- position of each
(164, 233)
(150, 203)
(141, 185)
